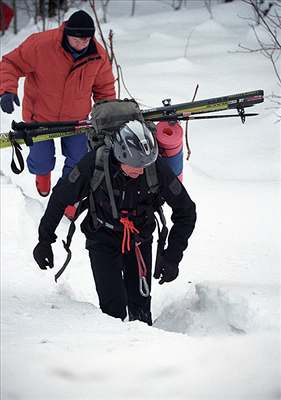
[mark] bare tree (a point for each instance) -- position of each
(104, 5)
(93, 6)
(42, 13)
(208, 5)
(133, 9)
(3, 27)
(270, 47)
(6, 14)
(110, 52)
(51, 8)
(178, 4)
(263, 7)
(15, 17)
(36, 14)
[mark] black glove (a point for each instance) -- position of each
(7, 102)
(43, 255)
(166, 270)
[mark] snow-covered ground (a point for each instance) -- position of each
(217, 327)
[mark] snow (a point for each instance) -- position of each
(217, 327)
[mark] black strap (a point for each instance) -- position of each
(17, 151)
(68, 258)
(66, 244)
(96, 180)
(27, 137)
(162, 237)
(98, 174)
(93, 211)
(108, 182)
(152, 178)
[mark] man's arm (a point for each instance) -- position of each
(68, 190)
(103, 88)
(183, 212)
(18, 63)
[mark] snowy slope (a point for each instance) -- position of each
(217, 327)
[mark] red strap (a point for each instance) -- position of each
(140, 261)
(128, 229)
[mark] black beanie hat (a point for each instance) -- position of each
(80, 24)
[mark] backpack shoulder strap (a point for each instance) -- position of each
(98, 174)
(152, 178)
(101, 172)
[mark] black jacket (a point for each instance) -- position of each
(132, 195)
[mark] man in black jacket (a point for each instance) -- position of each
(120, 246)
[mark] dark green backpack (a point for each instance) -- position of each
(107, 117)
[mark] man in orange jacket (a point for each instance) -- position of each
(63, 69)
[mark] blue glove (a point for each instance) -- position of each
(7, 102)
(166, 270)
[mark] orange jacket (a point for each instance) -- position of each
(56, 87)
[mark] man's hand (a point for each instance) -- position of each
(166, 270)
(7, 102)
(43, 255)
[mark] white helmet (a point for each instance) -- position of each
(135, 145)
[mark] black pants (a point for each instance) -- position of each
(116, 276)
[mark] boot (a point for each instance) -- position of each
(43, 184)
(141, 315)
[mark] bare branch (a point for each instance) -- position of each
(208, 5)
(120, 76)
(271, 23)
(248, 50)
(261, 16)
(104, 4)
(133, 9)
(110, 53)
(177, 4)
(264, 48)
(275, 69)
(93, 6)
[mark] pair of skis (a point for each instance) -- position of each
(26, 133)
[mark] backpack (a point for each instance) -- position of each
(107, 117)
